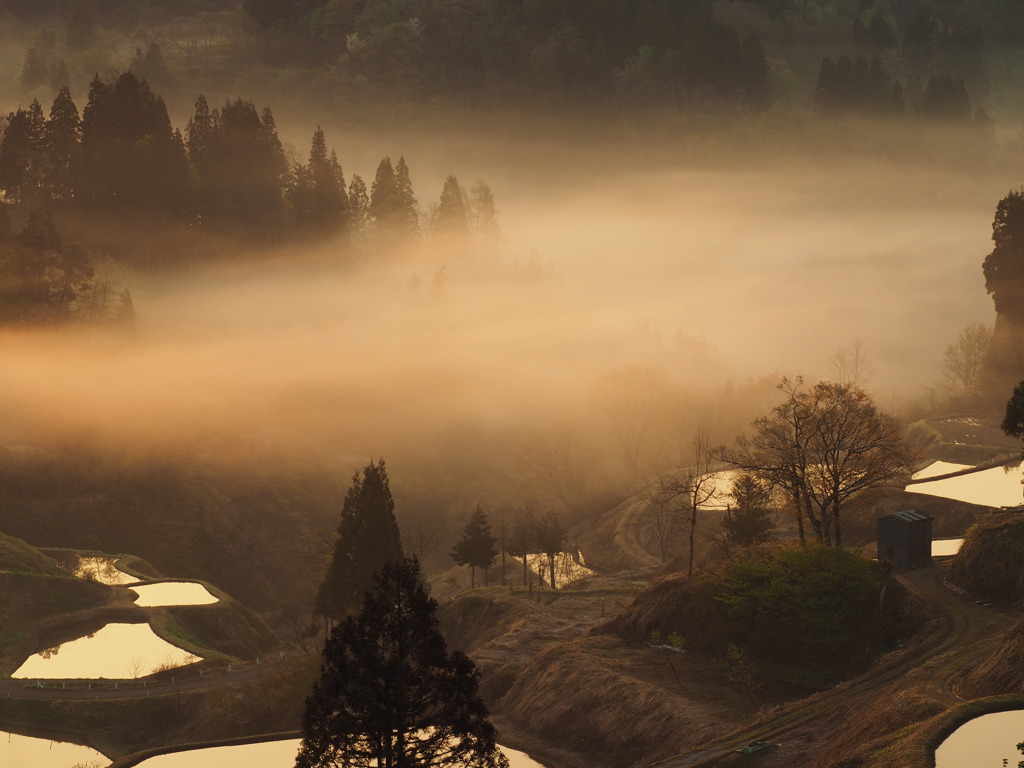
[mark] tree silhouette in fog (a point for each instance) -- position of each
(130, 156)
(390, 694)
(476, 547)
(368, 539)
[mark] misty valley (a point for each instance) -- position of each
(433, 383)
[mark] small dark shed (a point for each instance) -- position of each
(905, 538)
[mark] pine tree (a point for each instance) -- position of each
(476, 547)
(390, 694)
(368, 538)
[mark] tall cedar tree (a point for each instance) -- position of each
(241, 167)
(390, 694)
(451, 219)
(20, 152)
(130, 156)
(476, 547)
(319, 197)
(368, 539)
(61, 136)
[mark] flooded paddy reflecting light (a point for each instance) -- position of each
(116, 652)
(996, 487)
(987, 740)
(104, 570)
(17, 750)
(270, 754)
(172, 593)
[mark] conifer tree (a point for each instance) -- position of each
(476, 547)
(407, 219)
(368, 538)
(358, 205)
(390, 694)
(451, 220)
(197, 132)
(20, 153)
(61, 137)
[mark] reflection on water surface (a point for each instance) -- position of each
(118, 651)
(270, 754)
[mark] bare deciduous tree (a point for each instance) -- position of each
(823, 447)
(692, 487)
(966, 356)
(850, 365)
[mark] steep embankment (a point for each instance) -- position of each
(990, 565)
(40, 602)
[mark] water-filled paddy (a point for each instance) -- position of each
(118, 651)
(996, 487)
(17, 750)
(989, 740)
(946, 547)
(104, 570)
(269, 754)
(172, 593)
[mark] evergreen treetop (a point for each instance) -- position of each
(390, 694)
(368, 539)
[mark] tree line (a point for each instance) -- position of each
(228, 171)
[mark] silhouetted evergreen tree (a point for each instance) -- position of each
(44, 277)
(450, 226)
(198, 132)
(1013, 420)
(749, 520)
(130, 157)
(319, 195)
(1004, 266)
(483, 213)
(368, 539)
(390, 694)
(242, 168)
(476, 547)
(21, 153)
(61, 140)
(945, 98)
(358, 205)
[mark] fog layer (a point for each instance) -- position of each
(714, 274)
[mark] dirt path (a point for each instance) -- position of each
(965, 638)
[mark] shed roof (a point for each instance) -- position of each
(908, 516)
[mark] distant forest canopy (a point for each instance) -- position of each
(228, 171)
(872, 57)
